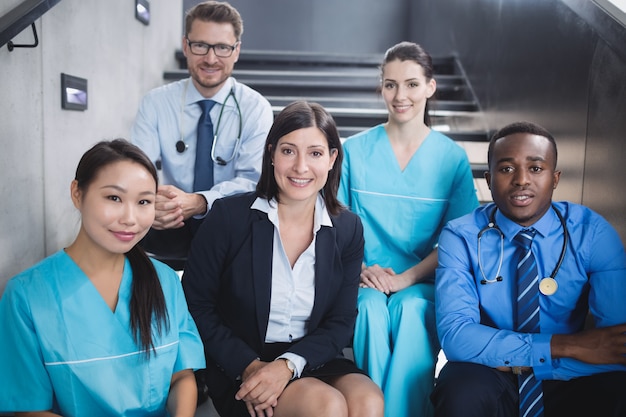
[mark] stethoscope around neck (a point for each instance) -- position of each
(548, 285)
(181, 146)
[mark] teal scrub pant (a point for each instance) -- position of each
(395, 342)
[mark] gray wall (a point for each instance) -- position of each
(40, 142)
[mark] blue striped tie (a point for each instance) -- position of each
(203, 171)
(530, 390)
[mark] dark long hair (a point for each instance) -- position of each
(409, 51)
(147, 299)
(300, 115)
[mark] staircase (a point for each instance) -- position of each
(347, 87)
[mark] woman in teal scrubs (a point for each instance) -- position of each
(405, 181)
(98, 329)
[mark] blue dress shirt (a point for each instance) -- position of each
(158, 127)
(475, 321)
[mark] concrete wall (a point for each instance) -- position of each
(40, 143)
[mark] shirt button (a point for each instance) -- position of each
(542, 360)
(506, 362)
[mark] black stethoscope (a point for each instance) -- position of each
(181, 146)
(548, 285)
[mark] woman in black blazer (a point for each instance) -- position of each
(272, 278)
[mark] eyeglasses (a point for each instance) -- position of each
(221, 49)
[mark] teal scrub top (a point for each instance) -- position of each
(404, 211)
(62, 348)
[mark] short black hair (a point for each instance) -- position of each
(520, 127)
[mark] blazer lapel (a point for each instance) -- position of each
(262, 249)
(324, 260)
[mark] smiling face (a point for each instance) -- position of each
(405, 90)
(117, 207)
(209, 72)
(522, 176)
(301, 162)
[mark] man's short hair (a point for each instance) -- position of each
(215, 11)
(520, 127)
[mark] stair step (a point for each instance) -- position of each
(348, 87)
(280, 60)
(366, 80)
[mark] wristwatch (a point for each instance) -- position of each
(291, 366)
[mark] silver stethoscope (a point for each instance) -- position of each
(548, 285)
(181, 146)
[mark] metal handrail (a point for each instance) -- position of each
(20, 17)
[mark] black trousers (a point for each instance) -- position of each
(471, 390)
(172, 245)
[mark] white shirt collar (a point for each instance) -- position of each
(321, 216)
(193, 95)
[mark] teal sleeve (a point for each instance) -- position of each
(23, 377)
(463, 197)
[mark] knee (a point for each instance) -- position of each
(370, 299)
(472, 390)
(368, 404)
(416, 308)
(332, 403)
(312, 397)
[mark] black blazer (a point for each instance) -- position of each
(227, 282)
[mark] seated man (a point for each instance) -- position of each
(516, 281)
(207, 130)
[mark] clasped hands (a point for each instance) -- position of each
(263, 383)
(383, 279)
(173, 206)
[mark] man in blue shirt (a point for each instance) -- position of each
(579, 271)
(166, 129)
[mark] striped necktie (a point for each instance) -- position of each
(527, 320)
(203, 171)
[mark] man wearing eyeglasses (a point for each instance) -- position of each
(166, 128)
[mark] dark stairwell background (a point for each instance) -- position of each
(347, 86)
(559, 63)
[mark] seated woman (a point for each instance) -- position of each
(405, 181)
(98, 329)
(272, 280)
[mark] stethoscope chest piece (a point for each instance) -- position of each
(181, 146)
(548, 286)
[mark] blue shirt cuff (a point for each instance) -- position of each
(541, 360)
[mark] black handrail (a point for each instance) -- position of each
(22, 16)
(35, 43)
